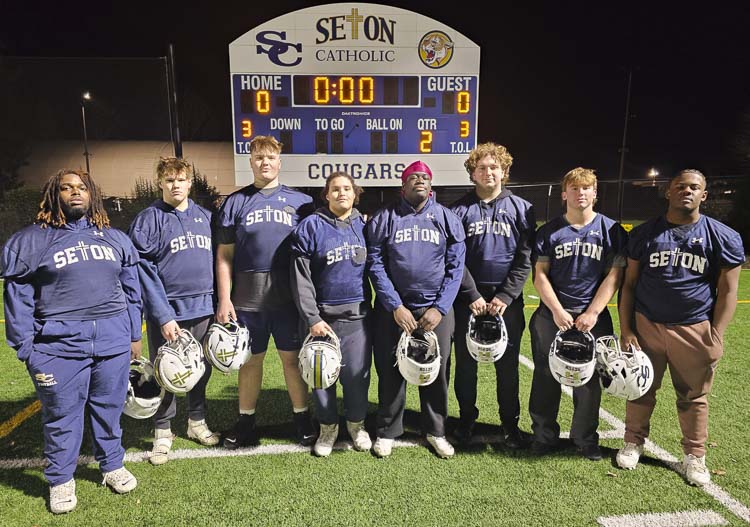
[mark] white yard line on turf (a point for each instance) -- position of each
(697, 518)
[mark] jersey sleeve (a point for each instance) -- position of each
(144, 234)
(376, 236)
(454, 262)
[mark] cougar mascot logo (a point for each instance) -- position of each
(435, 49)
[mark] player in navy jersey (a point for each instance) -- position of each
(578, 266)
(73, 315)
(332, 293)
(415, 249)
(173, 239)
(253, 232)
(499, 234)
(678, 297)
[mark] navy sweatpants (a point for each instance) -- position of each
(66, 387)
(354, 377)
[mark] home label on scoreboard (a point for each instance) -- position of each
(363, 88)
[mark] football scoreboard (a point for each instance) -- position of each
(361, 88)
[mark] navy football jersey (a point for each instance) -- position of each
(579, 259)
(259, 223)
(176, 266)
(679, 267)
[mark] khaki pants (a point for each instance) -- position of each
(692, 353)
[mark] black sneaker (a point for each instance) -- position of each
(591, 452)
(542, 449)
(242, 434)
(464, 431)
(305, 431)
(514, 440)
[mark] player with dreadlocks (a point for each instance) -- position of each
(73, 315)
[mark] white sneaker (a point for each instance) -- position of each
(120, 480)
(696, 472)
(62, 498)
(360, 437)
(628, 456)
(441, 446)
(199, 431)
(383, 447)
(162, 445)
(326, 439)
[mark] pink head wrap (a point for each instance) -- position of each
(416, 166)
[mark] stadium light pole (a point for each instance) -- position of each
(85, 96)
(623, 149)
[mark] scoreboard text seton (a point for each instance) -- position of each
(360, 85)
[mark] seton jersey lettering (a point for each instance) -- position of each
(267, 214)
(190, 241)
(417, 234)
(83, 252)
(342, 252)
(675, 257)
(578, 248)
(488, 226)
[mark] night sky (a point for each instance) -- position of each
(552, 85)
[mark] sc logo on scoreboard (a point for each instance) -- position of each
(277, 47)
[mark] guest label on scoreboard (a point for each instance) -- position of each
(362, 88)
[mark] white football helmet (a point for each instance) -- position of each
(627, 374)
(486, 338)
(144, 393)
(418, 357)
(320, 360)
(227, 346)
(179, 364)
(572, 357)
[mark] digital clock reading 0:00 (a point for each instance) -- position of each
(317, 90)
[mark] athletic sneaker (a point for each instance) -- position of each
(383, 447)
(326, 439)
(242, 434)
(696, 472)
(360, 437)
(464, 431)
(120, 480)
(199, 431)
(162, 445)
(62, 498)
(441, 446)
(629, 455)
(305, 429)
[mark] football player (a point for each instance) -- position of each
(253, 232)
(499, 234)
(173, 239)
(578, 266)
(415, 249)
(73, 315)
(333, 296)
(679, 295)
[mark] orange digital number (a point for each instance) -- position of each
(366, 92)
(463, 102)
(263, 101)
(346, 90)
(425, 142)
(247, 128)
(463, 130)
(321, 91)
